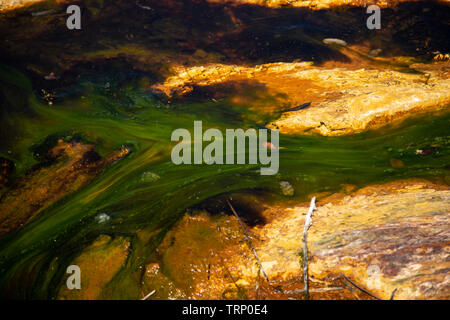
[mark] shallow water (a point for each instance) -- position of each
(132, 117)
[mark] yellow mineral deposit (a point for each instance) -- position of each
(358, 235)
(344, 100)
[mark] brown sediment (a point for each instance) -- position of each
(393, 236)
(76, 165)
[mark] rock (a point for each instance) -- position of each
(149, 177)
(366, 99)
(332, 41)
(376, 228)
(287, 188)
(375, 52)
(51, 76)
(393, 236)
(346, 101)
(102, 218)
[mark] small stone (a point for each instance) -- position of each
(102, 218)
(375, 52)
(51, 76)
(150, 177)
(334, 41)
(287, 188)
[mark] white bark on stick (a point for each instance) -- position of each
(149, 295)
(308, 223)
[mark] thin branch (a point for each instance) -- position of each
(308, 223)
(249, 240)
(393, 293)
(149, 295)
(317, 290)
(362, 289)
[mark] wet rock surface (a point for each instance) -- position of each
(73, 165)
(384, 238)
(99, 263)
(344, 101)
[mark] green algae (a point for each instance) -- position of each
(124, 113)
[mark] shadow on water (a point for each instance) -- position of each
(197, 32)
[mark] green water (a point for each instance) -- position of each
(33, 259)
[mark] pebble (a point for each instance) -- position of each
(150, 177)
(102, 218)
(286, 188)
(338, 42)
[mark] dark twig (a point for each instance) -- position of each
(362, 289)
(392, 294)
(248, 239)
(301, 107)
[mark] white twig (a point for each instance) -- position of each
(149, 295)
(308, 223)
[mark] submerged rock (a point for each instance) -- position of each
(287, 188)
(102, 218)
(149, 177)
(338, 42)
